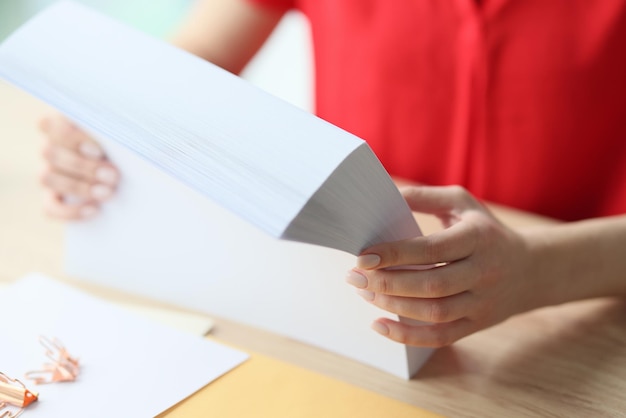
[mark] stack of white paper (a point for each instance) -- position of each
(285, 171)
(281, 168)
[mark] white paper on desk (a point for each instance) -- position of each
(130, 367)
(283, 170)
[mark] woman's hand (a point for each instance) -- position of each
(482, 274)
(77, 176)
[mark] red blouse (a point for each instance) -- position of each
(521, 101)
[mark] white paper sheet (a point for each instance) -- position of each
(193, 323)
(131, 367)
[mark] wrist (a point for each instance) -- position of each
(577, 260)
(545, 284)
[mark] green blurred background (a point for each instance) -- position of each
(156, 17)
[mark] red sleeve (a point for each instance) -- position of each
(275, 4)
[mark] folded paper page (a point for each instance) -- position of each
(283, 170)
(129, 366)
(252, 153)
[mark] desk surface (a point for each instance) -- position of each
(561, 361)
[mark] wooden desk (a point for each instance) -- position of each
(565, 361)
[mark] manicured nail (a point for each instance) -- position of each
(88, 211)
(106, 175)
(72, 200)
(101, 192)
(365, 294)
(91, 150)
(356, 279)
(380, 328)
(368, 261)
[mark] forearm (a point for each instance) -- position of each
(226, 32)
(578, 260)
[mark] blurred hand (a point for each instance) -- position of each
(77, 176)
(482, 275)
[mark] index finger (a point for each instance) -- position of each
(61, 131)
(451, 244)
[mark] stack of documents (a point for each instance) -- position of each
(283, 170)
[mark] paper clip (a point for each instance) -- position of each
(5, 412)
(64, 367)
(14, 393)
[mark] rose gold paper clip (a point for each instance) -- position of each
(13, 392)
(6, 412)
(64, 367)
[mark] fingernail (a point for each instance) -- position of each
(356, 279)
(91, 150)
(101, 192)
(368, 261)
(365, 294)
(106, 175)
(72, 200)
(88, 211)
(380, 328)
